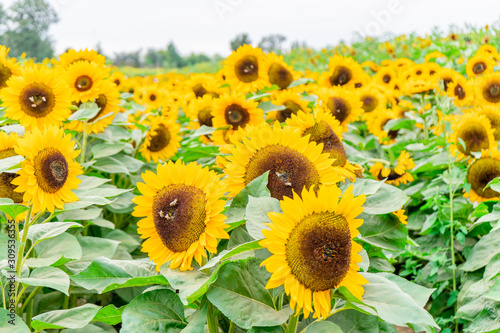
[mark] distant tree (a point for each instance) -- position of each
(28, 25)
(154, 58)
(3, 25)
(298, 45)
(172, 58)
(128, 59)
(194, 58)
(240, 40)
(272, 43)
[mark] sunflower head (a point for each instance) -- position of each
(236, 112)
(293, 162)
(7, 189)
(37, 98)
(343, 71)
(480, 173)
(162, 140)
(292, 102)
(343, 104)
(313, 249)
(8, 67)
(279, 72)
(48, 174)
(488, 89)
(84, 80)
(474, 131)
(480, 64)
(245, 69)
(71, 56)
(181, 208)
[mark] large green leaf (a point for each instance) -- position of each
(12, 323)
(57, 250)
(198, 319)
(240, 294)
(393, 304)
(73, 318)
(387, 199)
(87, 110)
(323, 327)
(256, 214)
(384, 231)
(110, 315)
(105, 274)
(9, 162)
(354, 321)
(40, 232)
(12, 209)
(107, 149)
(256, 188)
(226, 254)
(93, 247)
(483, 251)
(51, 277)
(154, 311)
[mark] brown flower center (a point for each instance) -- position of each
(280, 76)
(247, 69)
(480, 173)
(51, 169)
(237, 116)
(160, 139)
(341, 75)
(37, 100)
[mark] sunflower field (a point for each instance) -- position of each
(349, 189)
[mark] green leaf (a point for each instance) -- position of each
(393, 304)
(12, 209)
(87, 111)
(256, 188)
(203, 130)
(107, 149)
(197, 320)
(363, 186)
(240, 294)
(57, 250)
(80, 214)
(105, 274)
(10, 162)
(270, 106)
(256, 214)
(40, 232)
(486, 321)
(483, 251)
(191, 284)
(110, 315)
(110, 165)
(73, 318)
(323, 327)
(419, 294)
(12, 323)
(154, 311)
(397, 124)
(353, 321)
(89, 182)
(50, 277)
(387, 199)
(93, 247)
(226, 254)
(383, 231)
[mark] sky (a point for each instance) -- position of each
(207, 26)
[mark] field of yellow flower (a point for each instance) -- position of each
(352, 189)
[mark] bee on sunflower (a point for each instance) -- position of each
(37, 98)
(397, 175)
(293, 161)
(482, 171)
(245, 69)
(313, 248)
(162, 140)
(472, 130)
(49, 172)
(181, 208)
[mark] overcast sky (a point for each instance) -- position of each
(208, 25)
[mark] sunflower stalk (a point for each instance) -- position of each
(84, 142)
(20, 252)
(452, 235)
(212, 320)
(292, 323)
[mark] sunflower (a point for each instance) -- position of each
(343, 71)
(7, 189)
(37, 98)
(204, 84)
(48, 174)
(480, 173)
(313, 249)
(162, 140)
(8, 67)
(279, 72)
(245, 69)
(385, 77)
(449, 77)
(292, 161)
(71, 56)
(493, 115)
(479, 64)
(397, 175)
(181, 205)
(236, 111)
(344, 104)
(322, 128)
(376, 125)
(373, 100)
(107, 101)
(84, 80)
(476, 133)
(118, 78)
(199, 112)
(292, 102)
(488, 89)
(152, 96)
(462, 90)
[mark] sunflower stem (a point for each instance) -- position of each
(292, 323)
(29, 299)
(452, 234)
(20, 252)
(212, 320)
(232, 326)
(84, 142)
